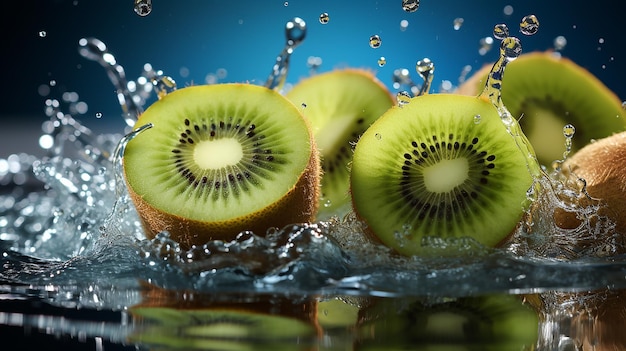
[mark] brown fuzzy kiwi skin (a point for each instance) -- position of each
(298, 205)
(602, 164)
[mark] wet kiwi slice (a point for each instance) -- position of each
(548, 92)
(602, 164)
(340, 104)
(443, 166)
(221, 159)
(493, 322)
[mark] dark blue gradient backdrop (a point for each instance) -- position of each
(244, 37)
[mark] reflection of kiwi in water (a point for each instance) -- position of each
(494, 322)
(340, 105)
(221, 159)
(184, 320)
(442, 166)
(602, 164)
(548, 92)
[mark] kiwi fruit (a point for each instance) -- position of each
(443, 165)
(546, 92)
(340, 105)
(602, 164)
(221, 159)
(490, 322)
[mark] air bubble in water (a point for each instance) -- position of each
(143, 7)
(410, 5)
(559, 43)
(500, 31)
(324, 18)
(403, 98)
(382, 61)
(457, 23)
(529, 25)
(375, 41)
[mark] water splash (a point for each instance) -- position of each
(295, 32)
(95, 50)
(425, 68)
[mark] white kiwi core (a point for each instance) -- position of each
(216, 154)
(445, 175)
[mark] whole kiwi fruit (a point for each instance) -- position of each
(340, 104)
(546, 92)
(443, 165)
(602, 164)
(221, 159)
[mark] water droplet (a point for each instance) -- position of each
(328, 203)
(500, 31)
(403, 25)
(403, 98)
(42, 33)
(477, 119)
(425, 68)
(568, 131)
(382, 61)
(457, 23)
(485, 45)
(511, 48)
(529, 25)
(559, 43)
(53, 83)
(508, 10)
(295, 30)
(378, 136)
(143, 7)
(375, 41)
(286, 3)
(324, 18)
(410, 5)
(98, 114)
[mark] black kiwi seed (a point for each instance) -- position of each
(257, 155)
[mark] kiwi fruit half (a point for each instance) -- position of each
(221, 159)
(340, 105)
(491, 322)
(443, 165)
(602, 164)
(547, 92)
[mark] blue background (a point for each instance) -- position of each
(244, 37)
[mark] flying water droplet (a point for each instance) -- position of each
(425, 68)
(95, 50)
(382, 61)
(410, 5)
(568, 132)
(485, 45)
(529, 25)
(404, 24)
(457, 23)
(98, 115)
(500, 31)
(143, 7)
(295, 32)
(403, 97)
(559, 43)
(42, 33)
(375, 41)
(324, 18)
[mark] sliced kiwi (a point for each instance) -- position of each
(340, 104)
(443, 166)
(493, 322)
(221, 159)
(548, 92)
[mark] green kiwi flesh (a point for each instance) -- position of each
(340, 105)
(547, 92)
(491, 322)
(220, 159)
(431, 168)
